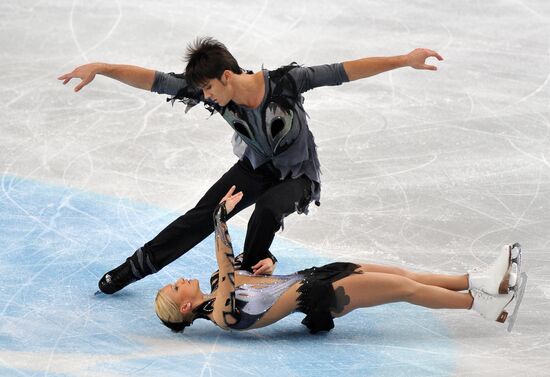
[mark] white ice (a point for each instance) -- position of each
(425, 170)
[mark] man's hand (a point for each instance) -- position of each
(367, 67)
(417, 59)
(86, 73)
(138, 77)
(231, 200)
(264, 267)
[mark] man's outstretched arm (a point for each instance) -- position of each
(138, 77)
(359, 69)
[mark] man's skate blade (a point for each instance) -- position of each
(518, 299)
(99, 293)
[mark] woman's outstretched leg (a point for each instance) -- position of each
(452, 282)
(377, 288)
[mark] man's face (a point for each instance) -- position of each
(217, 90)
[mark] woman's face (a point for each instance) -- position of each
(182, 291)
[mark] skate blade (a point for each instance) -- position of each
(514, 277)
(508, 283)
(515, 254)
(518, 298)
(99, 293)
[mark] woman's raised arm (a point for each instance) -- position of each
(225, 311)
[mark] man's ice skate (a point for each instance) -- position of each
(114, 280)
(497, 278)
(136, 267)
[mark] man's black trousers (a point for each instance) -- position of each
(274, 199)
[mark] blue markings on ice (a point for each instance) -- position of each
(57, 242)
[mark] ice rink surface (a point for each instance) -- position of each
(425, 170)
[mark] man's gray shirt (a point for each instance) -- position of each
(297, 159)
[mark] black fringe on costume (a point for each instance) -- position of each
(317, 296)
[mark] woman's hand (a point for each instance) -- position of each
(86, 73)
(264, 267)
(231, 200)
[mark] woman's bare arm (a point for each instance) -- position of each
(225, 311)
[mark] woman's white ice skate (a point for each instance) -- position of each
(510, 284)
(491, 307)
(499, 277)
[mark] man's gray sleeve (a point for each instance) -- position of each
(307, 78)
(166, 83)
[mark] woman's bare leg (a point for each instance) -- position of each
(453, 282)
(377, 288)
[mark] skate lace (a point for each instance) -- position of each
(483, 296)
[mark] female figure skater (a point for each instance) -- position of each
(242, 301)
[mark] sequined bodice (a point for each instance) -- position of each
(255, 298)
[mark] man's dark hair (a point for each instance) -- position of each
(207, 59)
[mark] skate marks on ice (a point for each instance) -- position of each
(59, 242)
(85, 363)
(453, 163)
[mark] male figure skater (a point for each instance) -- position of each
(278, 169)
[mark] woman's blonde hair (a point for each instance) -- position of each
(169, 314)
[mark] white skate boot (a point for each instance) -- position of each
(499, 277)
(491, 307)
